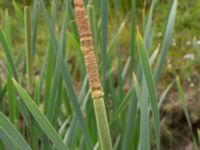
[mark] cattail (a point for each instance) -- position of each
(88, 49)
(93, 76)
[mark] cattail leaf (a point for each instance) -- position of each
(144, 60)
(6, 49)
(121, 106)
(40, 118)
(164, 94)
(166, 41)
(12, 99)
(18, 13)
(144, 139)
(185, 109)
(7, 140)
(148, 29)
(11, 134)
(34, 20)
(104, 24)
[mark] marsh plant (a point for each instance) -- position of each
(66, 82)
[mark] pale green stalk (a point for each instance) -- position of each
(102, 124)
(29, 63)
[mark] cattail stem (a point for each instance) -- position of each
(93, 75)
(29, 63)
(102, 124)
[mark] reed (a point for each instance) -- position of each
(29, 60)
(93, 75)
(48, 113)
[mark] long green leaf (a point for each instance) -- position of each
(144, 142)
(54, 101)
(40, 118)
(185, 109)
(104, 23)
(13, 133)
(6, 49)
(7, 140)
(133, 29)
(35, 16)
(144, 60)
(18, 12)
(166, 41)
(162, 97)
(148, 29)
(11, 99)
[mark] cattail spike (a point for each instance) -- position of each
(88, 49)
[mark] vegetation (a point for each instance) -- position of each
(71, 80)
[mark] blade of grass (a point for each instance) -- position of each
(164, 94)
(141, 128)
(120, 92)
(151, 61)
(144, 141)
(53, 104)
(121, 106)
(28, 50)
(11, 99)
(136, 132)
(63, 127)
(49, 74)
(54, 90)
(7, 140)
(185, 109)
(150, 86)
(93, 26)
(148, 28)
(35, 16)
(137, 88)
(73, 23)
(116, 145)
(6, 49)
(154, 56)
(116, 37)
(41, 119)
(125, 69)
(70, 134)
(198, 132)
(2, 145)
(130, 122)
(19, 57)
(133, 29)
(12, 132)
(104, 23)
(54, 93)
(18, 12)
(8, 27)
(37, 91)
(166, 41)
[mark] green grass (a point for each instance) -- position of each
(58, 113)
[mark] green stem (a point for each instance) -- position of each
(29, 65)
(102, 124)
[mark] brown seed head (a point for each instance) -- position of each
(88, 49)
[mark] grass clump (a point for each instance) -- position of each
(62, 104)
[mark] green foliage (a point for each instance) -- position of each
(59, 112)
(12, 135)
